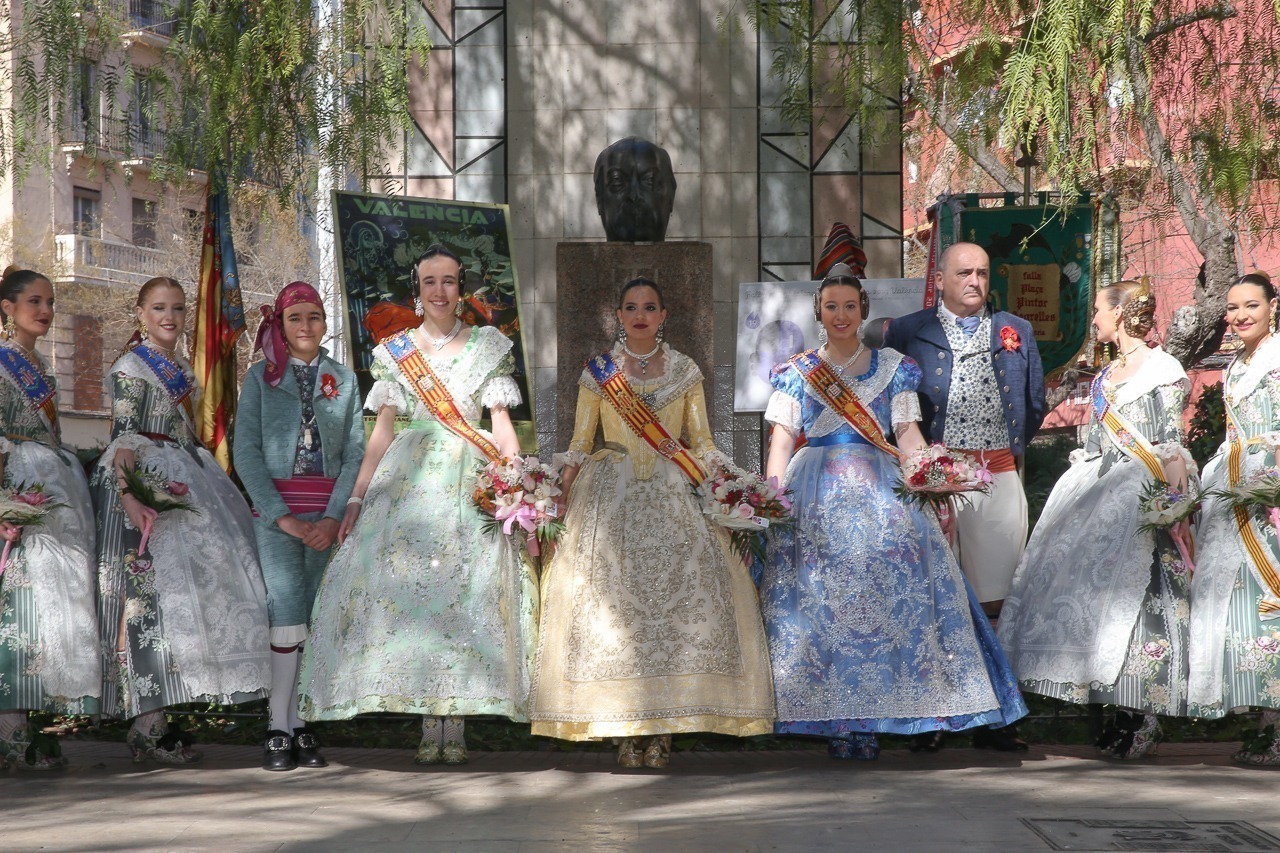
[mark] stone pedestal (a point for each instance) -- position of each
(588, 279)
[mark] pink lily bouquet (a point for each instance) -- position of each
(747, 505)
(519, 497)
(933, 476)
(155, 492)
(1162, 507)
(24, 506)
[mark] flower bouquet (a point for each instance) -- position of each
(520, 492)
(1261, 492)
(1162, 507)
(154, 492)
(933, 476)
(747, 504)
(24, 506)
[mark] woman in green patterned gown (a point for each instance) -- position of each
(49, 658)
(185, 619)
(422, 610)
(1235, 594)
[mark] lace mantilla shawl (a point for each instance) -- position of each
(679, 374)
(478, 377)
(785, 410)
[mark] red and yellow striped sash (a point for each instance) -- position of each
(824, 382)
(1259, 555)
(433, 394)
(619, 393)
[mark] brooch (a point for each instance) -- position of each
(328, 386)
(1009, 338)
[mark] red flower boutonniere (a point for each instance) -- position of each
(1010, 339)
(328, 386)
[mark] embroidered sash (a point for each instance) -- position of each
(619, 393)
(1260, 559)
(175, 381)
(824, 382)
(433, 394)
(1123, 434)
(32, 382)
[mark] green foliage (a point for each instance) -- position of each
(270, 91)
(1208, 425)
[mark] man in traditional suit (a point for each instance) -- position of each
(982, 393)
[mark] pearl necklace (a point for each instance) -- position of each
(642, 360)
(441, 343)
(841, 368)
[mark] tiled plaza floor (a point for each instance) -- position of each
(376, 800)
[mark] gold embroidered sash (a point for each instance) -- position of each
(433, 394)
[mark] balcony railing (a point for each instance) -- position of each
(81, 258)
(127, 138)
(153, 16)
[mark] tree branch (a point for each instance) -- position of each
(981, 155)
(1222, 12)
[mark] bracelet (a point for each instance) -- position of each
(355, 499)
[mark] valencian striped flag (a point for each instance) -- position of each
(219, 323)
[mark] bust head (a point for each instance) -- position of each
(635, 189)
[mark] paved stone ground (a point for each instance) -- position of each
(537, 802)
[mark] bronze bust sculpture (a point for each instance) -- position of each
(635, 189)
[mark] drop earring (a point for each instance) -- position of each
(457, 308)
(822, 336)
(10, 328)
(143, 334)
(662, 327)
(622, 334)
(417, 306)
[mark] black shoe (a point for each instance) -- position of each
(277, 752)
(306, 749)
(1001, 740)
(927, 742)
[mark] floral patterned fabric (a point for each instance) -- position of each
(871, 625)
(48, 625)
(1099, 612)
(422, 610)
(649, 625)
(972, 422)
(185, 620)
(1235, 656)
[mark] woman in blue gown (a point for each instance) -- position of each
(871, 626)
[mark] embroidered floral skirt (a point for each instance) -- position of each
(421, 610)
(185, 620)
(49, 655)
(649, 624)
(871, 625)
(1099, 611)
(1235, 655)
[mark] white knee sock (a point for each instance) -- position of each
(284, 688)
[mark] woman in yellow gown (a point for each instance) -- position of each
(650, 626)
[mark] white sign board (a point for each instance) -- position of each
(775, 321)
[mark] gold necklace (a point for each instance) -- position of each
(31, 354)
(1124, 356)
